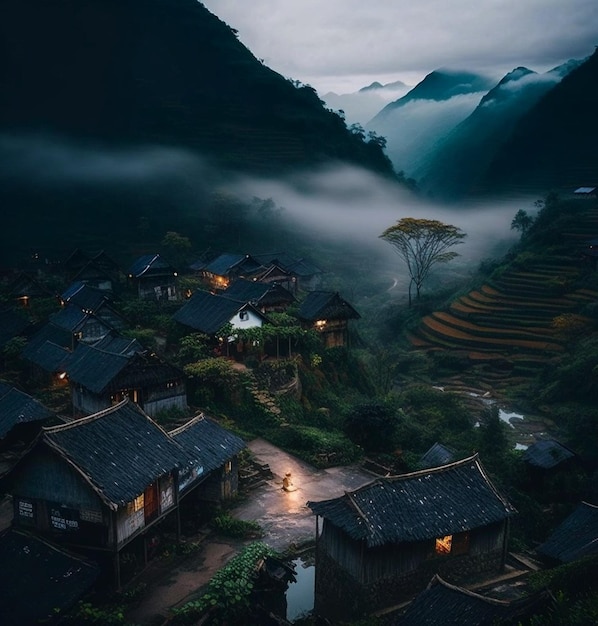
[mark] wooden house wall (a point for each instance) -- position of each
(351, 575)
(54, 499)
(133, 518)
(87, 403)
(222, 484)
(92, 330)
(155, 400)
(157, 288)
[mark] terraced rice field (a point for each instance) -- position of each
(506, 325)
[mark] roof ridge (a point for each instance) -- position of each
(194, 420)
(430, 470)
(85, 420)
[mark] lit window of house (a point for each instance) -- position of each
(135, 505)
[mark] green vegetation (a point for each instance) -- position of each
(227, 598)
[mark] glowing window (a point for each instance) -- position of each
(136, 505)
(444, 544)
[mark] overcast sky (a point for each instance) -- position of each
(343, 45)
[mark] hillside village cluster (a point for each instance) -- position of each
(93, 487)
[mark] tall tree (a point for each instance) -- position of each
(422, 243)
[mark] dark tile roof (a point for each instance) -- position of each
(300, 267)
(70, 318)
(148, 264)
(264, 294)
(95, 369)
(207, 441)
(547, 453)
(49, 348)
(437, 455)
(443, 604)
(12, 324)
(100, 371)
(38, 579)
(117, 344)
(223, 263)
(207, 312)
(50, 357)
(323, 305)
(418, 506)
(576, 537)
(17, 407)
(85, 297)
(119, 451)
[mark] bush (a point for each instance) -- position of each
(372, 426)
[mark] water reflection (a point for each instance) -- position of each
(300, 594)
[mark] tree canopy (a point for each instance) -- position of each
(422, 243)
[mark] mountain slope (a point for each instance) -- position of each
(413, 124)
(459, 161)
(360, 106)
(161, 72)
(554, 144)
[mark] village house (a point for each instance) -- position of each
(294, 274)
(327, 313)
(97, 483)
(25, 288)
(267, 297)
(21, 419)
(575, 538)
(442, 603)
(154, 278)
(220, 272)
(382, 543)
(217, 478)
(436, 455)
(100, 484)
(100, 378)
(93, 301)
(209, 313)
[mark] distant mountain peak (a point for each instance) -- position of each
(372, 87)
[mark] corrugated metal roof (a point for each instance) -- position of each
(17, 407)
(120, 451)
(575, 537)
(207, 312)
(418, 506)
(39, 580)
(547, 453)
(207, 441)
(322, 305)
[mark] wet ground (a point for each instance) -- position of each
(283, 516)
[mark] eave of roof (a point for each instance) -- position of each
(418, 506)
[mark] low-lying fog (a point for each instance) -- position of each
(339, 204)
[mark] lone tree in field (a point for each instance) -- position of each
(422, 244)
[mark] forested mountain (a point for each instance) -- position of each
(459, 160)
(414, 123)
(120, 118)
(554, 144)
(166, 72)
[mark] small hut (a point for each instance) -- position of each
(382, 543)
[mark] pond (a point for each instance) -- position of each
(300, 594)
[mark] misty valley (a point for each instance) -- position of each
(256, 340)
